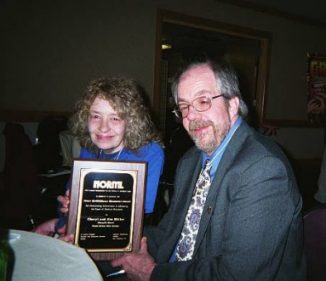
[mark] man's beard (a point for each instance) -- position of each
(211, 139)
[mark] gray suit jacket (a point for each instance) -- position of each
(251, 228)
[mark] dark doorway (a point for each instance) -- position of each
(180, 36)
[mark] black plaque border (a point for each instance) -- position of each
(138, 171)
(83, 174)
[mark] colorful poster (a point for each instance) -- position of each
(316, 82)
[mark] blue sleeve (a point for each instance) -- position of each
(62, 218)
(154, 156)
(85, 154)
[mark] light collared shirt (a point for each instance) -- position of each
(215, 158)
(218, 153)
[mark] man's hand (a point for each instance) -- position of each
(139, 266)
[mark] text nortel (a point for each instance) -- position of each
(108, 184)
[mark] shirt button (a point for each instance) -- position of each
(209, 209)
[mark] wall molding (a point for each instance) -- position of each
(29, 115)
(274, 12)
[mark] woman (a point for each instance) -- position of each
(112, 123)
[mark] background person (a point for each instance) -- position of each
(243, 221)
(112, 123)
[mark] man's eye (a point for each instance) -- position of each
(183, 107)
(203, 101)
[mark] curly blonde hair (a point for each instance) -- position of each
(124, 95)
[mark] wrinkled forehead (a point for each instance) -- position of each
(195, 80)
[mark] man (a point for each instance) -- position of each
(250, 226)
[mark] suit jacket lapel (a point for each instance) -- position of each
(193, 166)
(210, 205)
(227, 159)
(188, 174)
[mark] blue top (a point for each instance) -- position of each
(152, 153)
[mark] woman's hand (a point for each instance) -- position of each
(64, 201)
(47, 228)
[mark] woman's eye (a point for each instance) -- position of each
(95, 116)
(115, 119)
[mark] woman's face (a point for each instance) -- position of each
(105, 127)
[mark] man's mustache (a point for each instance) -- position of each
(193, 125)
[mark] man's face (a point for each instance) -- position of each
(207, 128)
(105, 126)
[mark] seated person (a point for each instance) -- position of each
(320, 195)
(112, 123)
(236, 208)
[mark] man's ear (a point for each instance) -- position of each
(234, 107)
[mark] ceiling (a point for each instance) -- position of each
(313, 11)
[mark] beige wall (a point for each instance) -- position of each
(50, 50)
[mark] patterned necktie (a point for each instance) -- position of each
(187, 240)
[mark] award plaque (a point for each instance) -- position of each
(106, 206)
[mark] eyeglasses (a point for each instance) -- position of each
(200, 104)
